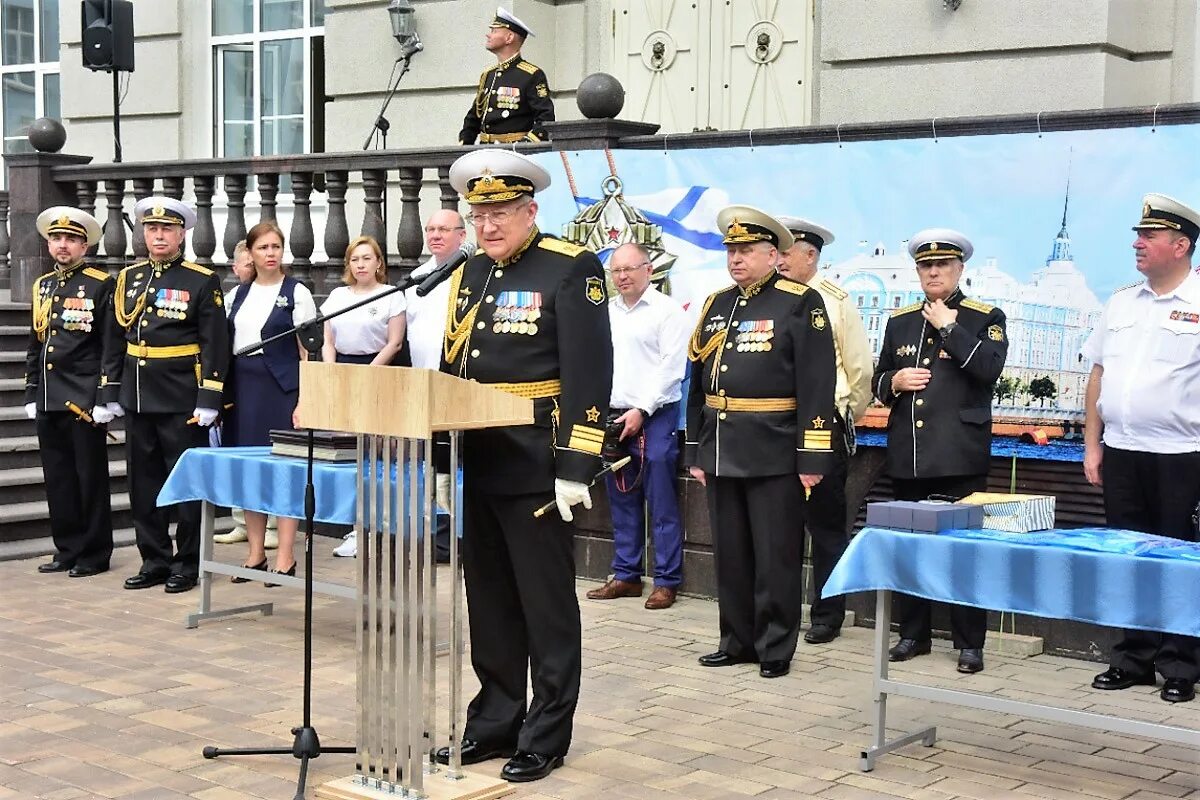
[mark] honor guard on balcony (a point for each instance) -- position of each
(937, 370)
(71, 306)
(828, 521)
(528, 314)
(1142, 435)
(165, 365)
(760, 424)
(512, 102)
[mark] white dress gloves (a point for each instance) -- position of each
(31, 410)
(569, 493)
(205, 416)
(442, 490)
(101, 415)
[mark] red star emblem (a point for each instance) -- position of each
(613, 233)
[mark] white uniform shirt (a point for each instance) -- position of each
(649, 351)
(1149, 347)
(851, 351)
(363, 331)
(258, 305)
(427, 320)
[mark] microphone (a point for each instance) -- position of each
(443, 272)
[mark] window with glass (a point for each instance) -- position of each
(267, 68)
(29, 83)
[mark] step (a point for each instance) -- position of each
(13, 422)
(30, 520)
(12, 391)
(44, 545)
(13, 332)
(22, 451)
(12, 364)
(26, 484)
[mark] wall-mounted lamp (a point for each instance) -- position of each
(951, 5)
(404, 25)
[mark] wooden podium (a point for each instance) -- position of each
(396, 412)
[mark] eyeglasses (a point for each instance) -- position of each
(497, 216)
(443, 230)
(630, 270)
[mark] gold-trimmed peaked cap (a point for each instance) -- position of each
(935, 243)
(805, 231)
(1166, 213)
(166, 210)
(66, 219)
(506, 19)
(747, 224)
(496, 176)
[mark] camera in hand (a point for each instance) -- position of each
(613, 449)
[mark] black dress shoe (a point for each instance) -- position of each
(260, 566)
(909, 648)
(822, 634)
(525, 767)
(290, 572)
(53, 566)
(774, 669)
(80, 571)
(1117, 678)
(144, 580)
(723, 659)
(1178, 690)
(179, 583)
(473, 752)
(970, 660)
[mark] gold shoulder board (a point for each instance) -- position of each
(96, 274)
(907, 309)
(790, 286)
(136, 265)
(527, 67)
(975, 305)
(561, 247)
(197, 268)
(1128, 286)
(833, 290)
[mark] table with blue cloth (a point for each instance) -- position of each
(252, 478)
(1117, 578)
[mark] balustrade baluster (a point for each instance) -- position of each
(5, 266)
(114, 229)
(301, 236)
(337, 232)
(409, 241)
(204, 237)
(142, 188)
(235, 220)
(85, 196)
(173, 188)
(449, 197)
(374, 183)
(268, 190)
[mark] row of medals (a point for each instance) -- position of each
(754, 341)
(516, 320)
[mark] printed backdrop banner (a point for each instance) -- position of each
(1050, 216)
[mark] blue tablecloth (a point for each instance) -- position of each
(1118, 578)
(250, 477)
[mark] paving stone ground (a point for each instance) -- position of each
(105, 694)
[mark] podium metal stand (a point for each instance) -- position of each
(395, 412)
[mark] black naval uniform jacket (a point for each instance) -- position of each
(760, 401)
(536, 325)
(945, 430)
(513, 97)
(71, 312)
(170, 348)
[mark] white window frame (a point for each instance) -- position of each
(40, 70)
(256, 39)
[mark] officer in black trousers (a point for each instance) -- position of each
(937, 369)
(512, 102)
(759, 435)
(527, 314)
(165, 365)
(71, 306)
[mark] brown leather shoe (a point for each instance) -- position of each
(614, 589)
(661, 597)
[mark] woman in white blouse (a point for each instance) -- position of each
(373, 333)
(266, 383)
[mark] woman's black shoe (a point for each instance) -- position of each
(291, 573)
(261, 567)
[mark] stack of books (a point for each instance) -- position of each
(327, 445)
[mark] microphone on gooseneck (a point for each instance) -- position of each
(443, 272)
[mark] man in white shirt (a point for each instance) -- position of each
(445, 233)
(1142, 435)
(649, 336)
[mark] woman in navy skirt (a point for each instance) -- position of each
(266, 383)
(374, 333)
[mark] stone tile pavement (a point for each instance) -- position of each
(105, 694)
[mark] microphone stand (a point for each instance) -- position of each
(381, 126)
(306, 745)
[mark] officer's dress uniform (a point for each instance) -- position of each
(512, 104)
(760, 413)
(535, 325)
(71, 308)
(1149, 348)
(169, 355)
(939, 439)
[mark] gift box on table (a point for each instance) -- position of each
(923, 516)
(1016, 513)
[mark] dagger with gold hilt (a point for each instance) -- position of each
(86, 417)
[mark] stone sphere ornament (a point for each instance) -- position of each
(600, 96)
(47, 135)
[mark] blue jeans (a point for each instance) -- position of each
(656, 491)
